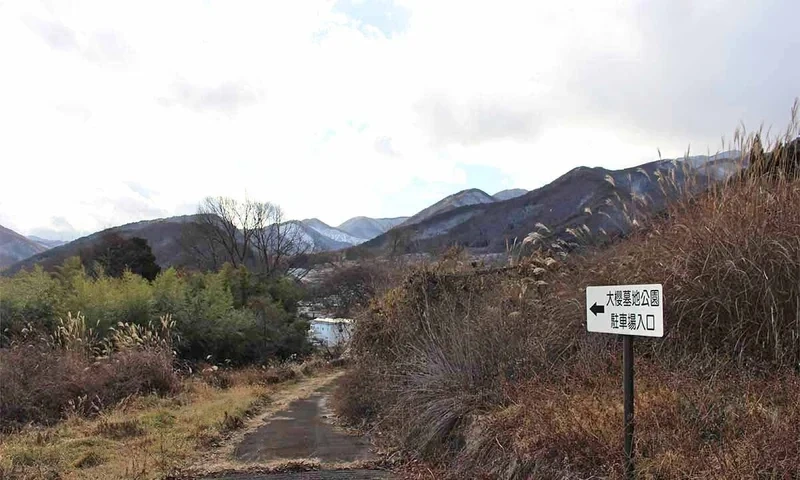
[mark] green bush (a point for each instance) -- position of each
(111, 300)
(231, 316)
(30, 297)
(286, 293)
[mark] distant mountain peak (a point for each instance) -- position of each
(570, 201)
(698, 161)
(470, 196)
(369, 228)
(47, 243)
(15, 247)
(332, 233)
(469, 191)
(509, 194)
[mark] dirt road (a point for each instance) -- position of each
(304, 431)
(303, 436)
(359, 474)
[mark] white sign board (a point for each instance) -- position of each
(626, 310)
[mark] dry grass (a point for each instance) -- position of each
(253, 375)
(44, 386)
(493, 373)
(145, 439)
(148, 437)
(695, 423)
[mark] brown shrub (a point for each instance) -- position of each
(222, 379)
(443, 346)
(120, 429)
(261, 375)
(265, 375)
(42, 384)
(279, 375)
(356, 397)
(691, 424)
(349, 287)
(89, 460)
(231, 422)
(492, 372)
(334, 363)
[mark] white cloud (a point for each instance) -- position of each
(336, 109)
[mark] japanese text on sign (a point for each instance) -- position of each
(625, 309)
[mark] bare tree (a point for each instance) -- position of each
(200, 246)
(229, 225)
(249, 233)
(277, 242)
(398, 241)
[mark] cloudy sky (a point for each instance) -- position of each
(112, 111)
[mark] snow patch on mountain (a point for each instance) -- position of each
(369, 228)
(698, 161)
(331, 232)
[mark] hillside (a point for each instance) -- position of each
(314, 240)
(47, 242)
(472, 196)
(728, 262)
(163, 235)
(169, 239)
(595, 197)
(369, 228)
(15, 247)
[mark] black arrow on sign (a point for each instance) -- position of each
(597, 309)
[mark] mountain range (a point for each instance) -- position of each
(14, 247)
(166, 237)
(595, 200)
(472, 196)
(594, 197)
(368, 228)
(46, 242)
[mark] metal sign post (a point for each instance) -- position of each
(627, 391)
(628, 310)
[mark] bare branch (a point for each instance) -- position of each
(253, 234)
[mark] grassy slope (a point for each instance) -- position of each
(495, 374)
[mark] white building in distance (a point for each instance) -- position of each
(331, 331)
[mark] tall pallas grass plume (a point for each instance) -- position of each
(760, 154)
(76, 334)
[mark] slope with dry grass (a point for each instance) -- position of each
(148, 437)
(81, 403)
(493, 373)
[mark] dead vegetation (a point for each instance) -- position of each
(493, 373)
(73, 373)
(78, 404)
(153, 436)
